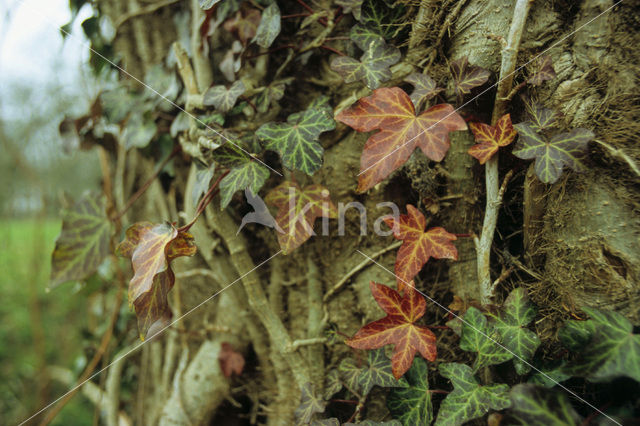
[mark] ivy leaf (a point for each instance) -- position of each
(466, 76)
(332, 384)
(539, 118)
(364, 37)
(204, 174)
(309, 405)
(382, 18)
(224, 99)
(517, 313)
(391, 111)
(490, 138)
(151, 249)
(376, 373)
(550, 375)
(481, 337)
(575, 335)
(398, 328)
(564, 149)
(298, 210)
(269, 95)
(535, 405)
(412, 405)
(353, 6)
(244, 24)
(297, 140)
(373, 67)
(372, 423)
(424, 88)
(138, 131)
(613, 350)
(208, 4)
(83, 243)
(326, 422)
(544, 72)
(269, 27)
(418, 246)
(231, 362)
(469, 399)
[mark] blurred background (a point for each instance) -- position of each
(44, 77)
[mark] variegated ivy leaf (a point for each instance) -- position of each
(208, 4)
(332, 384)
(373, 67)
(138, 131)
(543, 72)
(535, 405)
(564, 149)
(244, 172)
(382, 17)
(268, 95)
(224, 99)
(269, 27)
(310, 404)
(204, 173)
(353, 6)
(377, 373)
(83, 242)
(612, 349)
(424, 88)
(297, 140)
(517, 313)
(364, 37)
(469, 399)
(574, 335)
(481, 337)
(466, 76)
(411, 405)
(539, 118)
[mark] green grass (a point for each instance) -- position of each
(37, 327)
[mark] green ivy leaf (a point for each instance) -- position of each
(349, 373)
(424, 88)
(117, 103)
(381, 17)
(353, 6)
(535, 405)
(208, 4)
(326, 422)
(364, 37)
(83, 242)
(372, 423)
(550, 375)
(377, 373)
(373, 67)
(517, 313)
(539, 118)
(612, 351)
(269, 27)
(138, 131)
(268, 95)
(412, 405)
(332, 384)
(469, 400)
(564, 149)
(204, 173)
(245, 172)
(575, 335)
(481, 337)
(224, 99)
(297, 140)
(309, 405)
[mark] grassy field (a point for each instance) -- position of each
(38, 328)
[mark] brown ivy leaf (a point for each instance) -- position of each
(391, 111)
(491, 138)
(397, 328)
(418, 245)
(298, 209)
(424, 88)
(231, 362)
(151, 248)
(466, 76)
(544, 72)
(244, 25)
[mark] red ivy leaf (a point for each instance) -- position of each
(491, 138)
(544, 72)
(391, 111)
(151, 249)
(231, 362)
(298, 209)
(466, 77)
(397, 328)
(418, 245)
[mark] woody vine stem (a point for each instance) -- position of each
(495, 192)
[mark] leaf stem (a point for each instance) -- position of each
(208, 197)
(147, 184)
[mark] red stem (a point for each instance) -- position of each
(346, 401)
(147, 184)
(331, 49)
(323, 21)
(208, 197)
(295, 15)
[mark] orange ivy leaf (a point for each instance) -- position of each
(298, 209)
(418, 245)
(391, 111)
(151, 248)
(491, 138)
(231, 362)
(397, 328)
